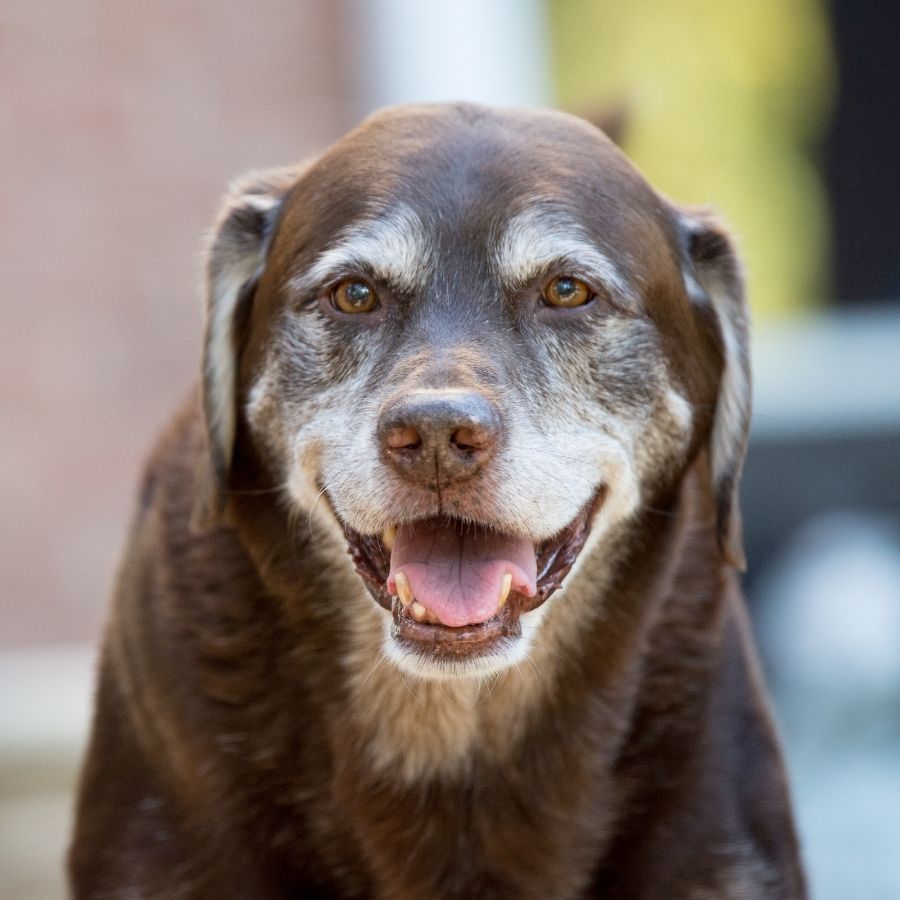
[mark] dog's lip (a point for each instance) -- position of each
(555, 558)
(442, 640)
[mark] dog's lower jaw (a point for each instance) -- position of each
(419, 718)
(443, 660)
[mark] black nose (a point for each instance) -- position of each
(439, 436)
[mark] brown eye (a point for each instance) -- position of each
(566, 291)
(354, 296)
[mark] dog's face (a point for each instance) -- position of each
(480, 340)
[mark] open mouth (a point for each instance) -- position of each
(456, 588)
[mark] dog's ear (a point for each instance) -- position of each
(235, 257)
(714, 278)
(612, 117)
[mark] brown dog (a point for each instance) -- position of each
(476, 349)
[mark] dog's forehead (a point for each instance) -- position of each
(468, 175)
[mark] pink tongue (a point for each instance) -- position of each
(457, 571)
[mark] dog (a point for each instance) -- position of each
(431, 591)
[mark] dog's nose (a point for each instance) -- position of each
(439, 436)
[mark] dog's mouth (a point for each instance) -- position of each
(455, 588)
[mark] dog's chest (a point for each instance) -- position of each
(465, 791)
(530, 825)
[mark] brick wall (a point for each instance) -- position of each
(120, 125)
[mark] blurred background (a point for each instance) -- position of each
(120, 126)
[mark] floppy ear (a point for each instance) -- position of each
(714, 278)
(235, 258)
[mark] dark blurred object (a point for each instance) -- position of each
(862, 149)
(790, 480)
(826, 428)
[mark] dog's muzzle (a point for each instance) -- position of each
(455, 586)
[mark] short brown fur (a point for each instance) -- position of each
(250, 741)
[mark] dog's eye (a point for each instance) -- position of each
(566, 291)
(354, 296)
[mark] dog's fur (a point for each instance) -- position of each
(259, 730)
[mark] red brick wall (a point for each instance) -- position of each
(120, 125)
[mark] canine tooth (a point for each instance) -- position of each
(388, 536)
(404, 591)
(418, 612)
(505, 587)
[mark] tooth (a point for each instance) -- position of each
(404, 591)
(388, 536)
(505, 587)
(422, 613)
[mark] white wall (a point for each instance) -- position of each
(490, 51)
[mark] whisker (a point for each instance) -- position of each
(269, 490)
(344, 475)
(521, 674)
(668, 513)
(382, 656)
(408, 686)
(534, 666)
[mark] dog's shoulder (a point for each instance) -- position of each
(173, 468)
(164, 531)
(180, 588)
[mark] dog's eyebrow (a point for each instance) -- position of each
(538, 238)
(390, 247)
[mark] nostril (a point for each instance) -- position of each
(469, 440)
(448, 434)
(403, 438)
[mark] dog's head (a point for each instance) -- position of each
(475, 337)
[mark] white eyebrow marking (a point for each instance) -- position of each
(539, 237)
(391, 246)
